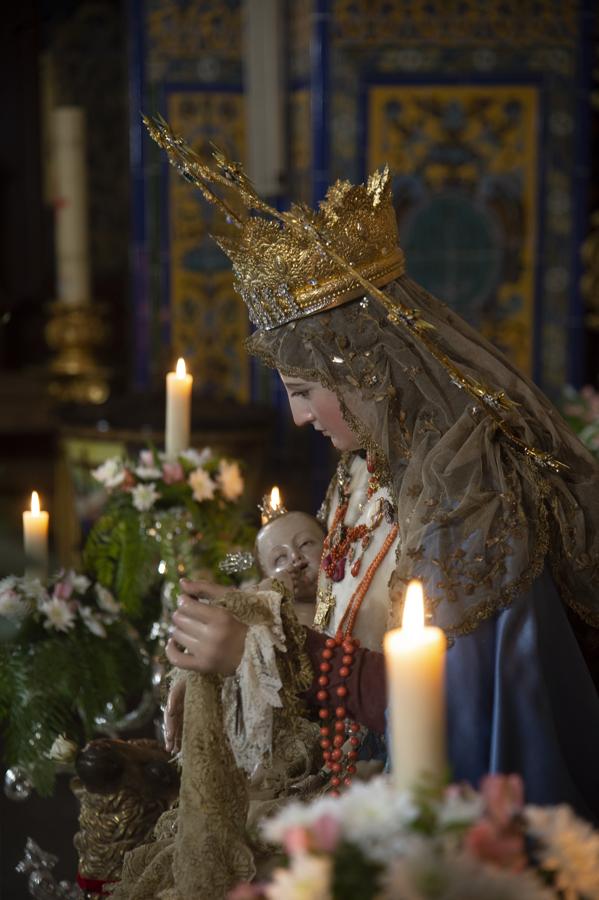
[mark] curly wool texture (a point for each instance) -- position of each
(477, 518)
(201, 849)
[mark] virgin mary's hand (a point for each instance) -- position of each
(205, 638)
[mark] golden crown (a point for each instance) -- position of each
(298, 262)
(280, 272)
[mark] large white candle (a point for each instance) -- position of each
(178, 410)
(70, 186)
(35, 539)
(415, 662)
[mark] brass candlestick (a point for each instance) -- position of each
(74, 332)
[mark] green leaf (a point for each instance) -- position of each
(354, 876)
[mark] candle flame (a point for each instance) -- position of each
(413, 610)
(35, 503)
(180, 370)
(275, 498)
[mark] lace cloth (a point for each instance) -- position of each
(477, 518)
(202, 848)
(250, 697)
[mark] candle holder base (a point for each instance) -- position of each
(75, 332)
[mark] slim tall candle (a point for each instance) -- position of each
(71, 230)
(178, 410)
(35, 539)
(415, 662)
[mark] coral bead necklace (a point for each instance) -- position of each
(336, 730)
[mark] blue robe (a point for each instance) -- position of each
(520, 698)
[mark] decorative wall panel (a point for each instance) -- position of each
(465, 161)
(536, 164)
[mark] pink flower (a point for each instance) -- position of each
(500, 847)
(128, 480)
(325, 832)
(63, 589)
(503, 796)
(172, 472)
(573, 409)
(296, 840)
(498, 837)
(146, 459)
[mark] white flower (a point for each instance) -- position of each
(80, 582)
(111, 473)
(371, 814)
(378, 817)
(62, 750)
(569, 849)
(461, 806)
(202, 485)
(8, 583)
(147, 473)
(59, 615)
(92, 622)
(34, 590)
(307, 878)
(144, 496)
(12, 604)
(196, 459)
(230, 480)
(106, 601)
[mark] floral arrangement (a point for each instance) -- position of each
(581, 411)
(453, 843)
(65, 653)
(165, 518)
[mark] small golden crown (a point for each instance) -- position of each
(280, 272)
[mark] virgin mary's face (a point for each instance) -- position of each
(313, 404)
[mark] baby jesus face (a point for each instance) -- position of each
(292, 543)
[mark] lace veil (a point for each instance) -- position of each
(478, 518)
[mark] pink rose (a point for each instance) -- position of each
(498, 837)
(296, 840)
(325, 833)
(503, 796)
(63, 589)
(499, 847)
(172, 472)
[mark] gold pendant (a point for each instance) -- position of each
(324, 608)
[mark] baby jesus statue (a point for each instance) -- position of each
(291, 544)
(288, 547)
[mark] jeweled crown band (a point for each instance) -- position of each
(334, 292)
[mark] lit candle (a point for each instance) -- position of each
(178, 410)
(35, 539)
(415, 662)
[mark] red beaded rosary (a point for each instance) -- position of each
(333, 735)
